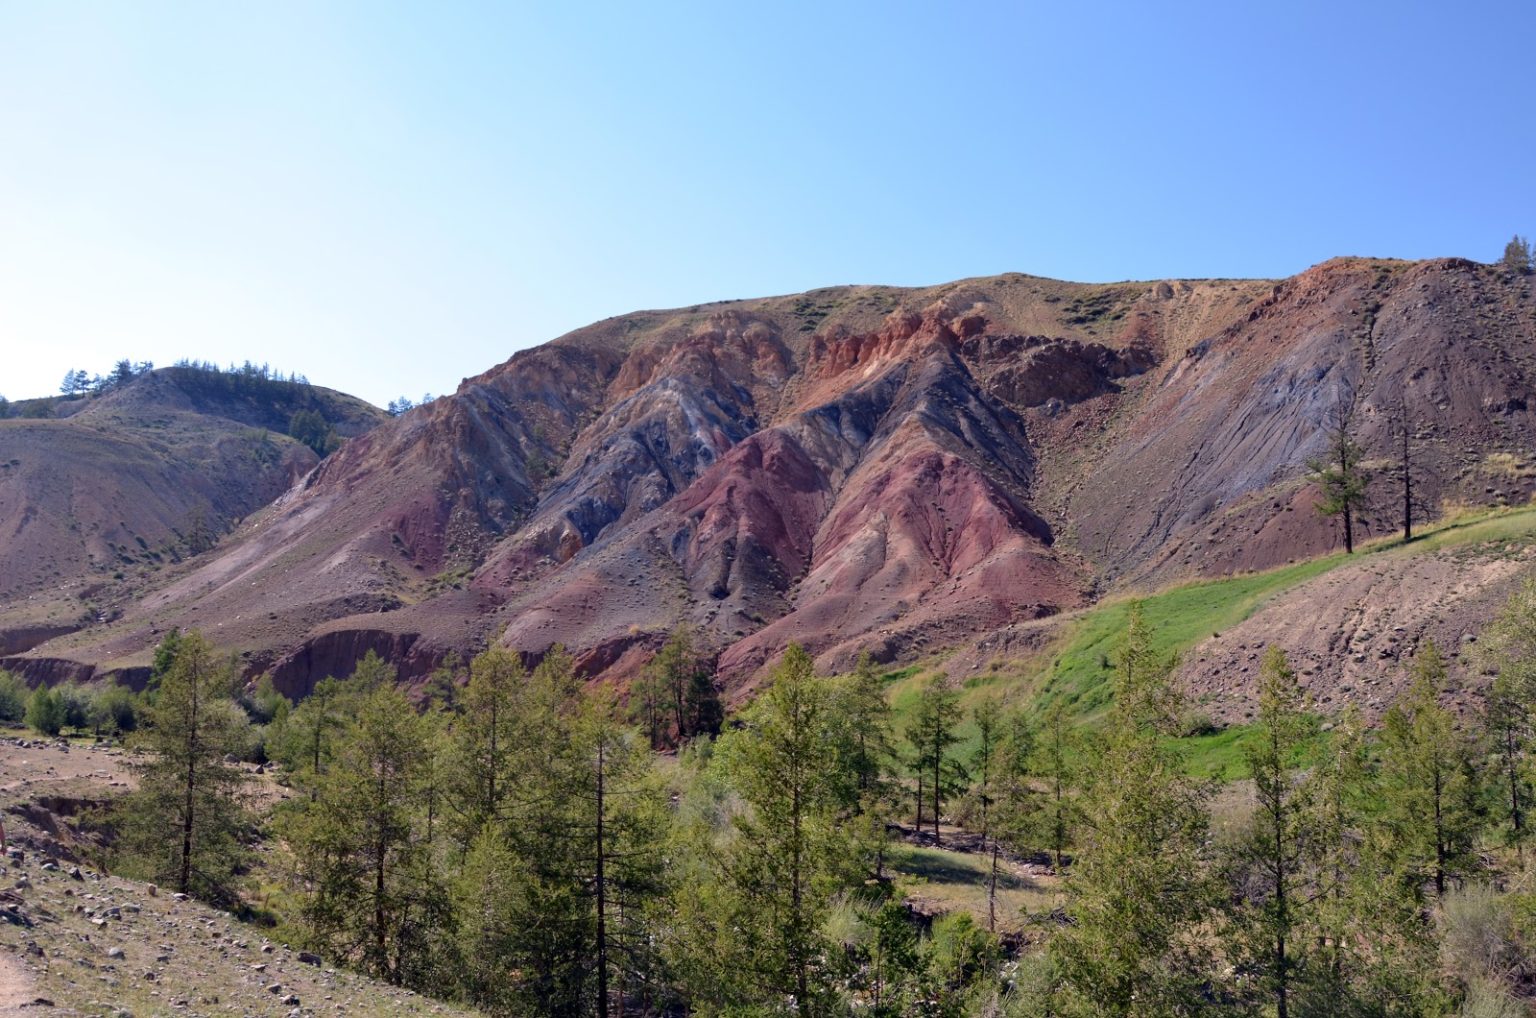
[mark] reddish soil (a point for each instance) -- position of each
(904, 471)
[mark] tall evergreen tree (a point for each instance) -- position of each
(185, 824)
(361, 843)
(1427, 782)
(1051, 754)
(1137, 890)
(490, 744)
(932, 734)
(1275, 854)
(780, 863)
(1342, 477)
(1508, 648)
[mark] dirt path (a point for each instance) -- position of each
(17, 988)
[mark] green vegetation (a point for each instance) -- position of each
(882, 843)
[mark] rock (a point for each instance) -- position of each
(115, 952)
(292, 1000)
(309, 958)
(275, 988)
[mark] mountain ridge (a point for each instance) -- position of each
(900, 470)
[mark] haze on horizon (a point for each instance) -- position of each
(388, 198)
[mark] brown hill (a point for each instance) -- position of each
(861, 467)
(108, 491)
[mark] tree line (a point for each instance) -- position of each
(520, 843)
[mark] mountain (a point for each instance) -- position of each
(908, 471)
(99, 494)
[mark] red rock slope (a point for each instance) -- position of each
(862, 467)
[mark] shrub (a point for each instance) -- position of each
(45, 715)
(13, 698)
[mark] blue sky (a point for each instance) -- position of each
(389, 198)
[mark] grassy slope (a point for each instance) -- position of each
(1077, 669)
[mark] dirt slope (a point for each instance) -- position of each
(90, 943)
(98, 501)
(863, 467)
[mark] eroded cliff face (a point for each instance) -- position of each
(862, 468)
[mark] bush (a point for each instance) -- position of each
(1478, 937)
(959, 950)
(45, 714)
(13, 698)
(115, 709)
(74, 706)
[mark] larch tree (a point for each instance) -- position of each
(985, 765)
(1052, 749)
(1342, 478)
(786, 844)
(1137, 890)
(487, 745)
(1427, 781)
(361, 844)
(1508, 649)
(185, 825)
(932, 733)
(1275, 853)
(1517, 255)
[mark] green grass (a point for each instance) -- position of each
(948, 881)
(1078, 669)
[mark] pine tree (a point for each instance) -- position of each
(489, 745)
(1508, 648)
(1517, 255)
(1342, 478)
(1137, 890)
(932, 733)
(185, 824)
(361, 843)
(1275, 853)
(1427, 782)
(786, 847)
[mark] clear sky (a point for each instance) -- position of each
(388, 198)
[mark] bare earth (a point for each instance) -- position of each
(97, 944)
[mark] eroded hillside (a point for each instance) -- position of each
(866, 467)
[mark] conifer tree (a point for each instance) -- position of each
(864, 747)
(361, 843)
(932, 733)
(1276, 853)
(1050, 758)
(1427, 782)
(1508, 648)
(489, 744)
(779, 866)
(1342, 478)
(616, 824)
(185, 824)
(1137, 890)
(988, 719)
(306, 742)
(1517, 255)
